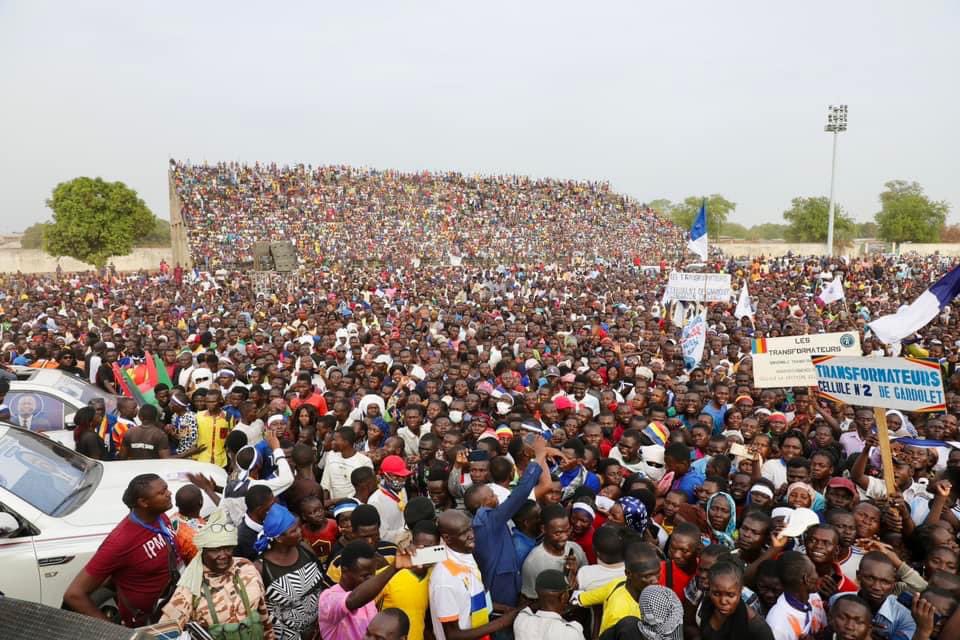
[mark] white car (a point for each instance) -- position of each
(57, 506)
(46, 400)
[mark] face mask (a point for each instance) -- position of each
(456, 417)
(393, 484)
(503, 408)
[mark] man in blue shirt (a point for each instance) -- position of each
(717, 407)
(877, 577)
(494, 549)
(527, 530)
(676, 458)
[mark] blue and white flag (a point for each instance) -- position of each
(698, 232)
(911, 318)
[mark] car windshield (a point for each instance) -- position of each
(82, 390)
(45, 474)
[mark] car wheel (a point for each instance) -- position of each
(106, 601)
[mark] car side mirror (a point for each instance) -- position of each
(8, 524)
(68, 421)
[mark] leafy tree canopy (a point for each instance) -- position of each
(807, 220)
(908, 215)
(718, 210)
(94, 220)
(33, 236)
(767, 231)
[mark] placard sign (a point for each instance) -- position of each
(894, 383)
(698, 287)
(786, 362)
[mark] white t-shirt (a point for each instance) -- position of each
(392, 524)
(634, 467)
(788, 623)
(545, 625)
(457, 593)
(775, 471)
(336, 474)
(592, 576)
(253, 431)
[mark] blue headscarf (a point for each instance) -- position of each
(278, 520)
(635, 513)
(724, 537)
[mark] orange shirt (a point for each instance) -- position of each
(316, 400)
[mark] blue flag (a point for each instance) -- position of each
(698, 232)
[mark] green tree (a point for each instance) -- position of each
(807, 218)
(718, 210)
(908, 215)
(94, 219)
(867, 229)
(767, 231)
(159, 236)
(33, 236)
(661, 206)
(734, 230)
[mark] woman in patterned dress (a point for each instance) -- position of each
(290, 574)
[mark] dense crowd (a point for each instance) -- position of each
(337, 213)
(535, 423)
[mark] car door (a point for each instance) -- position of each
(36, 410)
(20, 577)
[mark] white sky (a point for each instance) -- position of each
(661, 99)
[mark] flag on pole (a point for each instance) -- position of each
(833, 291)
(911, 318)
(743, 304)
(698, 232)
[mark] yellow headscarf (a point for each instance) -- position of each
(217, 532)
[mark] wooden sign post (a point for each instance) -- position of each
(883, 435)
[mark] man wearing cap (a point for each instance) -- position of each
(391, 498)
(545, 618)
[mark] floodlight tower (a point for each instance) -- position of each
(836, 123)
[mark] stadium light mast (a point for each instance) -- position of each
(836, 123)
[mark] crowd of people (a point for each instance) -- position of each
(462, 453)
(337, 213)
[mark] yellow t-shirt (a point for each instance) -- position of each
(411, 594)
(616, 600)
(212, 432)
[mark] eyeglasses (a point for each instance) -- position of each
(221, 528)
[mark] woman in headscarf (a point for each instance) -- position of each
(722, 519)
(800, 494)
(217, 589)
(291, 574)
(661, 614)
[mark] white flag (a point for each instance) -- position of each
(833, 291)
(743, 304)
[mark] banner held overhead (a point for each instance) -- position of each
(787, 361)
(909, 384)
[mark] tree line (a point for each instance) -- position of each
(906, 214)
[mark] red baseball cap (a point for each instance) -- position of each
(395, 466)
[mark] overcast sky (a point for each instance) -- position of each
(665, 99)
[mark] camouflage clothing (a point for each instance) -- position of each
(185, 606)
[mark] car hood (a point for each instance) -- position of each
(105, 506)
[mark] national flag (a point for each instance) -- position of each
(911, 318)
(759, 345)
(162, 375)
(142, 397)
(743, 304)
(697, 241)
(833, 291)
